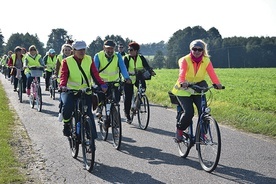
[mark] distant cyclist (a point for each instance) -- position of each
(32, 59)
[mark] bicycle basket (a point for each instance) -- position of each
(173, 98)
(36, 73)
(146, 75)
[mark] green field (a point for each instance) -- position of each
(248, 102)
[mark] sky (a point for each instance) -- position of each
(144, 21)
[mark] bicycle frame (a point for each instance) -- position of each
(207, 146)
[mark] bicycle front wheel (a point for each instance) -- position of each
(73, 139)
(116, 126)
(101, 121)
(208, 143)
(143, 112)
(39, 99)
(20, 90)
(88, 143)
(184, 146)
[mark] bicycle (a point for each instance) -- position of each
(36, 96)
(81, 130)
(207, 136)
(53, 86)
(140, 107)
(20, 83)
(111, 116)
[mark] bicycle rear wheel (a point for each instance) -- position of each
(208, 143)
(116, 126)
(103, 130)
(143, 112)
(39, 99)
(184, 146)
(73, 139)
(20, 90)
(88, 144)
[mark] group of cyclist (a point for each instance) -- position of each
(77, 70)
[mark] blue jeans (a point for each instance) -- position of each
(69, 101)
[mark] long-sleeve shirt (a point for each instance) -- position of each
(210, 70)
(65, 73)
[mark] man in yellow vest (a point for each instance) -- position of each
(193, 69)
(77, 72)
(110, 65)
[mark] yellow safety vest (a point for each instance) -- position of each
(51, 62)
(132, 66)
(111, 73)
(191, 76)
(32, 62)
(75, 79)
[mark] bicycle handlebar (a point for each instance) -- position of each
(202, 89)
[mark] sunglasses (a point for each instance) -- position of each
(197, 49)
(33, 50)
(130, 49)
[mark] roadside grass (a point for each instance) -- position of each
(9, 165)
(248, 102)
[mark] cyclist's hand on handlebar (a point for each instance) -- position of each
(128, 81)
(63, 88)
(104, 87)
(218, 86)
(184, 84)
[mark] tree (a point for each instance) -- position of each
(56, 39)
(1, 43)
(159, 60)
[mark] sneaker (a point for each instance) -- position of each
(128, 118)
(60, 117)
(47, 89)
(66, 129)
(14, 90)
(99, 112)
(28, 92)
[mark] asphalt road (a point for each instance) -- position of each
(146, 156)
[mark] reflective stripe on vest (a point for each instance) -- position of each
(191, 76)
(75, 79)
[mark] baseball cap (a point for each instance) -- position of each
(52, 51)
(79, 45)
(109, 43)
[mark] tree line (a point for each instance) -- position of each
(232, 52)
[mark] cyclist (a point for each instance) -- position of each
(135, 63)
(50, 61)
(76, 73)
(32, 59)
(110, 64)
(193, 68)
(16, 60)
(66, 51)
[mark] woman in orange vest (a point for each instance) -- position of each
(193, 69)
